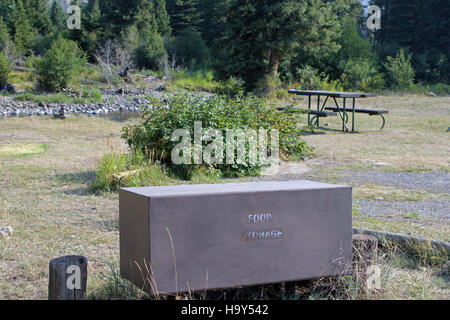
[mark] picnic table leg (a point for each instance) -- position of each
(343, 119)
(353, 115)
(318, 109)
(309, 109)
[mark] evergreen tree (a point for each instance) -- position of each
(4, 35)
(261, 33)
(24, 34)
(420, 27)
(7, 8)
(57, 17)
(213, 20)
(38, 14)
(91, 16)
(144, 16)
(162, 18)
(184, 14)
(91, 30)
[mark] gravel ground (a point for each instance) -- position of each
(433, 181)
(425, 209)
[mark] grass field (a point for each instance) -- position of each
(45, 197)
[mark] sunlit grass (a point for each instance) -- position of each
(22, 149)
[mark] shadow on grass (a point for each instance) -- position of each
(84, 178)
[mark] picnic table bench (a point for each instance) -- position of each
(315, 115)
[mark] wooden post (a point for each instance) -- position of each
(364, 250)
(67, 278)
(364, 255)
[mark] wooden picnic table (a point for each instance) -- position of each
(342, 111)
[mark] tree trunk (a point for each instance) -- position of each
(274, 61)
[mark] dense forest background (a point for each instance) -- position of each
(311, 44)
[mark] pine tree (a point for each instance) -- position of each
(420, 27)
(261, 33)
(38, 14)
(144, 17)
(4, 35)
(212, 14)
(24, 34)
(91, 16)
(162, 18)
(7, 8)
(91, 30)
(58, 17)
(184, 14)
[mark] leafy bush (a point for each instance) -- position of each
(361, 74)
(331, 85)
(60, 65)
(5, 69)
(308, 78)
(153, 135)
(231, 88)
(151, 52)
(400, 72)
(121, 170)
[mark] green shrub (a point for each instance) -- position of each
(361, 74)
(153, 135)
(438, 88)
(400, 72)
(122, 170)
(60, 65)
(331, 85)
(232, 88)
(151, 52)
(5, 69)
(308, 78)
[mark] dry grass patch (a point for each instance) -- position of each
(369, 191)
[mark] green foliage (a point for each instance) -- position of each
(400, 72)
(260, 34)
(362, 75)
(24, 33)
(190, 50)
(162, 18)
(122, 170)
(151, 52)
(86, 96)
(153, 135)
(356, 63)
(38, 16)
(57, 17)
(5, 69)
(4, 35)
(231, 88)
(184, 14)
(308, 78)
(60, 65)
(420, 27)
(197, 80)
